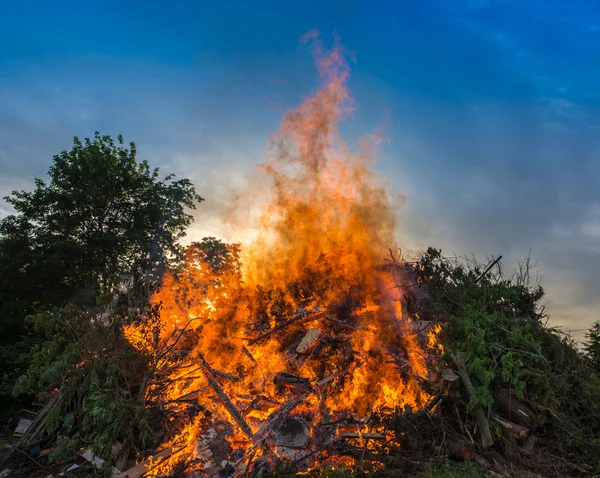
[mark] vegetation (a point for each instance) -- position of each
(82, 255)
(592, 346)
(446, 468)
(499, 327)
(79, 257)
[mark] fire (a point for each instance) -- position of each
(304, 328)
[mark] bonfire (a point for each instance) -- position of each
(300, 345)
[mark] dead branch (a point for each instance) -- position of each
(365, 436)
(296, 319)
(142, 468)
(248, 354)
(227, 403)
(277, 417)
(489, 268)
(510, 429)
(344, 324)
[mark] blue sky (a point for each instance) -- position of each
(492, 108)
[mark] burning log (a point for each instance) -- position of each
(228, 376)
(302, 317)
(343, 324)
(284, 379)
(227, 403)
(248, 354)
(276, 418)
(143, 468)
(348, 368)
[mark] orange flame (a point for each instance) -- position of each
(324, 224)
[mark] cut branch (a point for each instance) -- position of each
(510, 429)
(227, 403)
(248, 354)
(296, 319)
(277, 417)
(484, 427)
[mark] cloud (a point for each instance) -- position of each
(493, 132)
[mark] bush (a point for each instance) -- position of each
(498, 325)
(92, 380)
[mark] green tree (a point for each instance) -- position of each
(102, 215)
(592, 346)
(102, 218)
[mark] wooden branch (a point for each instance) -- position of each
(515, 410)
(296, 319)
(277, 417)
(344, 324)
(349, 367)
(308, 340)
(248, 354)
(489, 268)
(228, 376)
(227, 403)
(484, 427)
(366, 436)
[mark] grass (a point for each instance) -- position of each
(453, 469)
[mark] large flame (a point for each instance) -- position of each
(325, 223)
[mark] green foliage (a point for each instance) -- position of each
(489, 320)
(102, 214)
(218, 255)
(102, 218)
(97, 376)
(64, 448)
(105, 471)
(592, 346)
(496, 324)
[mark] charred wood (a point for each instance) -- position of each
(303, 317)
(276, 418)
(227, 403)
(284, 379)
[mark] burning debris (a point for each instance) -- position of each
(303, 348)
(307, 388)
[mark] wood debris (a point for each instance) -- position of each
(309, 339)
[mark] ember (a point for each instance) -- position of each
(299, 352)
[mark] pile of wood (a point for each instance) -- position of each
(295, 431)
(303, 434)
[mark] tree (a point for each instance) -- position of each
(102, 218)
(102, 215)
(592, 346)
